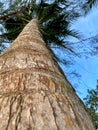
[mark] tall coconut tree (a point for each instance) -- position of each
(34, 93)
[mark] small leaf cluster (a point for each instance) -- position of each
(91, 102)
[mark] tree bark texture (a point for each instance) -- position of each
(34, 94)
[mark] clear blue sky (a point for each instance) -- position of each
(86, 67)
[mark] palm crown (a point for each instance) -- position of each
(54, 21)
(52, 17)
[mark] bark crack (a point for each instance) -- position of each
(54, 114)
(18, 118)
(32, 117)
(10, 111)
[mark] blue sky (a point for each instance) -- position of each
(86, 67)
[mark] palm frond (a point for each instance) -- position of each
(53, 20)
(88, 5)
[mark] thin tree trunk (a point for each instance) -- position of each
(34, 94)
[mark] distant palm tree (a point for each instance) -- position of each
(34, 94)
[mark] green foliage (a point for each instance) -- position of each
(89, 4)
(54, 18)
(54, 21)
(91, 102)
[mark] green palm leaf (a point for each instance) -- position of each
(52, 17)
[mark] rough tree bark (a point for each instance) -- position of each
(34, 94)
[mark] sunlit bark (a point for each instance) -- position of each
(34, 94)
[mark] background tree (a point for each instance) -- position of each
(91, 102)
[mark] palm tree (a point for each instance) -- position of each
(34, 93)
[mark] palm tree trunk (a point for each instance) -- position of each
(34, 94)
